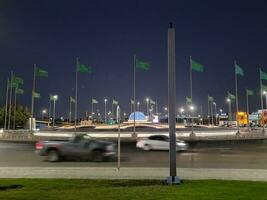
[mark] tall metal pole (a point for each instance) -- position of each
(105, 101)
(230, 110)
(70, 112)
(10, 101)
(211, 112)
(208, 111)
(49, 111)
(33, 91)
(15, 106)
(76, 95)
(215, 112)
(7, 91)
(236, 96)
(173, 179)
(134, 105)
(119, 137)
(156, 107)
(54, 112)
(261, 99)
(92, 109)
(247, 102)
(191, 80)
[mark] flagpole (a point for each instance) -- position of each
(15, 104)
(208, 111)
(7, 91)
(70, 112)
(10, 100)
(261, 99)
(134, 65)
(191, 80)
(76, 96)
(33, 90)
(236, 96)
(211, 113)
(49, 112)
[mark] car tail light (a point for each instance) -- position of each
(39, 146)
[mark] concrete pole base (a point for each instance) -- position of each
(192, 135)
(173, 180)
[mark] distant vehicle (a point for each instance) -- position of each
(159, 142)
(79, 147)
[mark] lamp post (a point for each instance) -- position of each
(54, 98)
(228, 100)
(44, 111)
(215, 112)
(191, 108)
(105, 101)
(182, 111)
(147, 106)
(138, 105)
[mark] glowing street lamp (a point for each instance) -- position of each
(147, 105)
(138, 104)
(215, 113)
(54, 98)
(44, 111)
(228, 100)
(105, 101)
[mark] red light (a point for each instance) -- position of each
(39, 145)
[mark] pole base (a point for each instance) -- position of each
(134, 135)
(238, 133)
(192, 135)
(173, 180)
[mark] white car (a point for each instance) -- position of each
(159, 142)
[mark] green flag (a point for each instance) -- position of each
(196, 66)
(17, 80)
(15, 85)
(142, 65)
(239, 70)
(210, 98)
(19, 91)
(263, 75)
(94, 101)
(250, 92)
(152, 102)
(36, 95)
(72, 100)
(115, 102)
(188, 100)
(41, 72)
(231, 96)
(84, 69)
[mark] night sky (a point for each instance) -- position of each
(106, 33)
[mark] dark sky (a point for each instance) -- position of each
(106, 33)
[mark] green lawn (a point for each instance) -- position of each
(37, 189)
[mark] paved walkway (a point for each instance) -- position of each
(131, 173)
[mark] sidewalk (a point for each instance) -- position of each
(131, 173)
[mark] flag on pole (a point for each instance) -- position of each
(230, 96)
(249, 92)
(84, 68)
(19, 91)
(41, 72)
(239, 70)
(114, 102)
(94, 101)
(196, 66)
(210, 98)
(263, 75)
(142, 65)
(188, 100)
(132, 102)
(17, 80)
(72, 100)
(36, 95)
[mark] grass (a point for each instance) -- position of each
(66, 189)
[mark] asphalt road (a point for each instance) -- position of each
(213, 155)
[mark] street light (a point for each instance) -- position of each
(105, 101)
(147, 105)
(215, 113)
(138, 104)
(54, 98)
(191, 108)
(228, 100)
(44, 111)
(181, 110)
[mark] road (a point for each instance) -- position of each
(251, 155)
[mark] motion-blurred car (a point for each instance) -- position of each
(159, 142)
(82, 147)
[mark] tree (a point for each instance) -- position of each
(22, 116)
